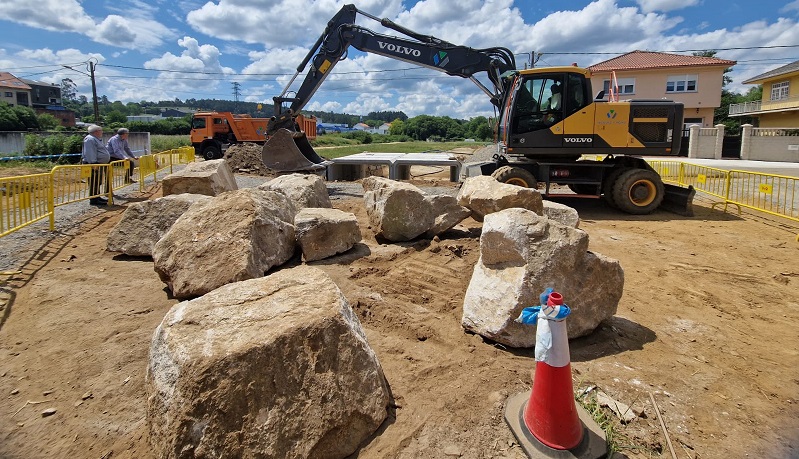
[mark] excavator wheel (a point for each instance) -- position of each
(638, 191)
(515, 176)
(607, 186)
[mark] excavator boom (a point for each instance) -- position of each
(331, 47)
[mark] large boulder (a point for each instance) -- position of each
(210, 178)
(144, 223)
(322, 233)
(306, 190)
(561, 213)
(522, 254)
(276, 367)
(448, 214)
(484, 195)
(397, 211)
(236, 236)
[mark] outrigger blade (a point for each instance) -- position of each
(679, 200)
(288, 151)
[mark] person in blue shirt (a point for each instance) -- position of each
(95, 152)
(120, 151)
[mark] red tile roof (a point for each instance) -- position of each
(639, 60)
(8, 80)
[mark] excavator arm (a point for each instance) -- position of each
(422, 50)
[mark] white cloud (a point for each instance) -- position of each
(135, 30)
(648, 6)
(195, 57)
(792, 6)
(281, 23)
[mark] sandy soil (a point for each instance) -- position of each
(707, 323)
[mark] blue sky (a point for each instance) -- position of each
(167, 49)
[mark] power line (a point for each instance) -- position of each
(738, 48)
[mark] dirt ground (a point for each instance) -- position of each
(707, 323)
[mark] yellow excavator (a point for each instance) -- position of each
(548, 119)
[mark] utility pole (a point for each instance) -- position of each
(236, 94)
(90, 65)
(94, 94)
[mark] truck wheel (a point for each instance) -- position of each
(515, 176)
(211, 152)
(638, 191)
(607, 186)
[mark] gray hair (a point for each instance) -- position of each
(122, 131)
(94, 128)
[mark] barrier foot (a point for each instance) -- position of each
(593, 445)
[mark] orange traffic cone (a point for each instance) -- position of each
(547, 422)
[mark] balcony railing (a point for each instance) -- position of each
(760, 106)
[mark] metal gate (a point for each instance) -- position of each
(684, 143)
(731, 147)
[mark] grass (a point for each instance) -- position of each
(616, 439)
(400, 147)
(159, 143)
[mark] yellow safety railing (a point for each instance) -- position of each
(151, 165)
(27, 199)
(772, 194)
(24, 200)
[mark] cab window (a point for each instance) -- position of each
(198, 123)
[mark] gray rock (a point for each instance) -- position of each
(210, 178)
(275, 367)
(306, 190)
(144, 223)
(562, 214)
(485, 195)
(448, 214)
(398, 211)
(236, 236)
(522, 254)
(322, 233)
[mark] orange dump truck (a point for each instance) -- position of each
(213, 132)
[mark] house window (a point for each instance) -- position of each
(626, 86)
(681, 83)
(8, 94)
(779, 91)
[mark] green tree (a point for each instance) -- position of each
(47, 122)
(27, 116)
(478, 128)
(397, 127)
(115, 117)
(8, 119)
(69, 90)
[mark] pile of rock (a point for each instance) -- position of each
(278, 365)
(199, 243)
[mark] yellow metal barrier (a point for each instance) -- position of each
(24, 200)
(773, 194)
(27, 199)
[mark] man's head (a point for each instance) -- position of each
(123, 132)
(95, 130)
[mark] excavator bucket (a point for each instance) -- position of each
(679, 200)
(288, 151)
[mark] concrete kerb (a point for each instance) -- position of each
(398, 164)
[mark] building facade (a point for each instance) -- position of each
(14, 91)
(695, 81)
(779, 105)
